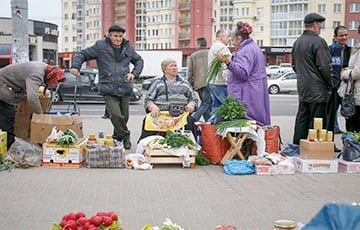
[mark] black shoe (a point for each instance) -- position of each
(338, 132)
(337, 150)
(127, 144)
(105, 117)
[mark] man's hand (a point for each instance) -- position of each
(190, 108)
(74, 72)
(130, 76)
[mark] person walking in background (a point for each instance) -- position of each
(311, 61)
(247, 79)
(353, 123)
(197, 75)
(18, 80)
(113, 56)
(218, 84)
(340, 54)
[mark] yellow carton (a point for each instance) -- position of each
(3, 142)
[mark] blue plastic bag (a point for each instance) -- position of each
(335, 216)
(238, 167)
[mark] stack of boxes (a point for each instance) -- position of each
(317, 151)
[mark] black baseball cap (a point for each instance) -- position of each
(116, 28)
(313, 17)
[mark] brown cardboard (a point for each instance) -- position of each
(23, 114)
(316, 150)
(42, 124)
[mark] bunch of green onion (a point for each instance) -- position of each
(215, 67)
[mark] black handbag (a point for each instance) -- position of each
(175, 109)
(351, 151)
(348, 102)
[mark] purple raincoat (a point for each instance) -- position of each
(247, 82)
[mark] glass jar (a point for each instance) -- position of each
(109, 140)
(92, 137)
(284, 224)
(322, 135)
(318, 123)
(312, 134)
(329, 136)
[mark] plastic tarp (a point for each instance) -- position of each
(335, 216)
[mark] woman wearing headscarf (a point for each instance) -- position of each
(247, 80)
(22, 81)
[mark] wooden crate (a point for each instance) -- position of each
(158, 156)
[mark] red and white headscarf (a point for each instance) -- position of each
(54, 75)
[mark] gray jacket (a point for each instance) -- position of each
(198, 69)
(21, 80)
(354, 69)
(112, 69)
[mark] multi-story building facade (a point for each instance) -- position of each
(175, 24)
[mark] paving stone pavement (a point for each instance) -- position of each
(196, 199)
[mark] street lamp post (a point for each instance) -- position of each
(20, 34)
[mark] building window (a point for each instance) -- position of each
(66, 39)
(66, 16)
(260, 12)
(352, 41)
(66, 5)
(66, 27)
(260, 42)
(337, 8)
(321, 8)
(336, 24)
(354, 7)
(245, 11)
(260, 27)
(353, 25)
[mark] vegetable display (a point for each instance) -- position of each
(232, 109)
(176, 140)
(102, 220)
(68, 137)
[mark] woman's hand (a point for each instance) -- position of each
(224, 58)
(154, 110)
(190, 108)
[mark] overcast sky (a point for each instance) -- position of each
(41, 10)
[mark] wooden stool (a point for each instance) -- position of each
(235, 147)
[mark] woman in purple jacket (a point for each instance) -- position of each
(247, 75)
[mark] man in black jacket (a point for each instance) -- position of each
(113, 56)
(340, 53)
(311, 61)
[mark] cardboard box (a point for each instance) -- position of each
(274, 169)
(316, 150)
(42, 124)
(60, 156)
(315, 166)
(23, 115)
(348, 166)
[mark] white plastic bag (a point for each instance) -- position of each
(342, 89)
(260, 142)
(136, 161)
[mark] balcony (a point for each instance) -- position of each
(184, 35)
(184, 6)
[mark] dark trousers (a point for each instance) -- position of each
(7, 119)
(205, 107)
(331, 109)
(189, 126)
(118, 109)
(305, 119)
(353, 123)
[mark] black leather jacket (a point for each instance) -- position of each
(311, 61)
(112, 69)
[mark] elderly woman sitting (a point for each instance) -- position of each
(169, 89)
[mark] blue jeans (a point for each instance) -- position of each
(205, 106)
(218, 95)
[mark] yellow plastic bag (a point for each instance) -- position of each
(164, 122)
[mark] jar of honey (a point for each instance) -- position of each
(318, 123)
(109, 141)
(92, 137)
(329, 136)
(312, 134)
(322, 135)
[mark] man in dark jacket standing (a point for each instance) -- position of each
(311, 61)
(340, 53)
(113, 56)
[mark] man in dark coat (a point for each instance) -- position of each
(113, 56)
(312, 64)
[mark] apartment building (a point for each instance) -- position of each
(175, 24)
